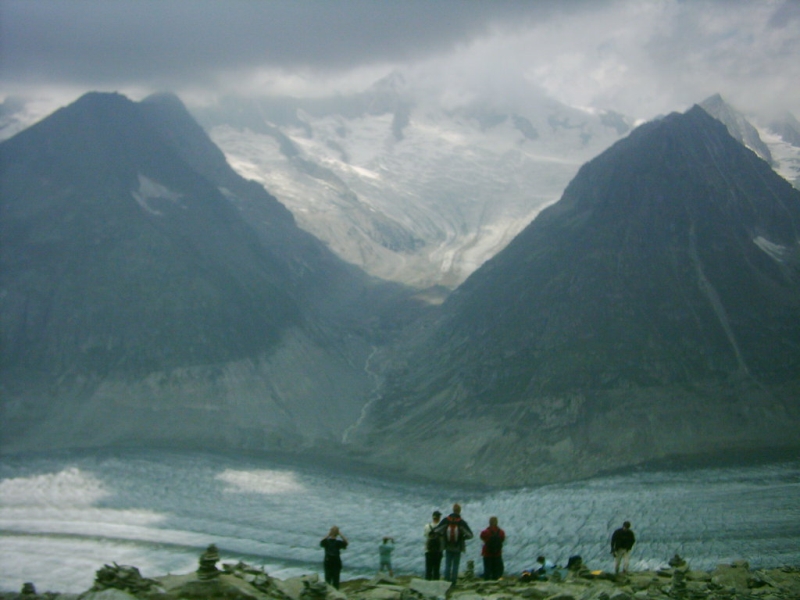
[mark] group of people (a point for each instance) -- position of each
(446, 538)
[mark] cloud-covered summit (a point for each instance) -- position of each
(641, 59)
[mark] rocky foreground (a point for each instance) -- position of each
(734, 581)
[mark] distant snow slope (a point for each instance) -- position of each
(785, 155)
(412, 193)
(409, 191)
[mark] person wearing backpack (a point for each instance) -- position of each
(492, 551)
(433, 548)
(456, 532)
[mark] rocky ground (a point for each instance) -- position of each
(734, 581)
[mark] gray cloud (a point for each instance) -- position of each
(183, 41)
(640, 58)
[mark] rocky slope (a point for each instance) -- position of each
(735, 581)
(653, 311)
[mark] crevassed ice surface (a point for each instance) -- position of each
(62, 516)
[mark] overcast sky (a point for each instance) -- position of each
(639, 57)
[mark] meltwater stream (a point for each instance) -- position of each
(62, 516)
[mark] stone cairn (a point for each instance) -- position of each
(314, 590)
(256, 577)
(28, 589)
(122, 577)
(678, 584)
(208, 564)
(469, 573)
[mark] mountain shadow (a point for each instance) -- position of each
(653, 311)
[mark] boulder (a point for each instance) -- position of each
(221, 587)
(294, 586)
(735, 575)
(429, 589)
(383, 592)
(108, 594)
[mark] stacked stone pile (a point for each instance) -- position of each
(735, 581)
(259, 579)
(125, 578)
(207, 569)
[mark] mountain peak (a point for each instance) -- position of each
(664, 284)
(738, 126)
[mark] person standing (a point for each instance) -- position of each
(543, 567)
(622, 541)
(333, 544)
(385, 555)
(456, 532)
(492, 552)
(433, 548)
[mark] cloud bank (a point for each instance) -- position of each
(638, 58)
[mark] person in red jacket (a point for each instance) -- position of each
(492, 552)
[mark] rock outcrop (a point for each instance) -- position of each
(735, 581)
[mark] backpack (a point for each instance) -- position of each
(433, 544)
(494, 545)
(452, 534)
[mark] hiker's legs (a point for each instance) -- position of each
(328, 572)
(448, 565)
(456, 561)
(623, 557)
(451, 560)
(333, 568)
(437, 566)
(492, 567)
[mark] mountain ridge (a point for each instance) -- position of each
(152, 296)
(642, 304)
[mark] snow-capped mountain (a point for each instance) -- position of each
(419, 192)
(409, 191)
(782, 136)
(776, 140)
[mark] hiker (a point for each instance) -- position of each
(540, 570)
(433, 548)
(333, 543)
(622, 541)
(492, 551)
(456, 532)
(544, 566)
(385, 555)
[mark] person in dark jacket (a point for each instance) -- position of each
(455, 538)
(333, 544)
(492, 551)
(622, 541)
(433, 548)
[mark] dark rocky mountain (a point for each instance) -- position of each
(653, 312)
(149, 294)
